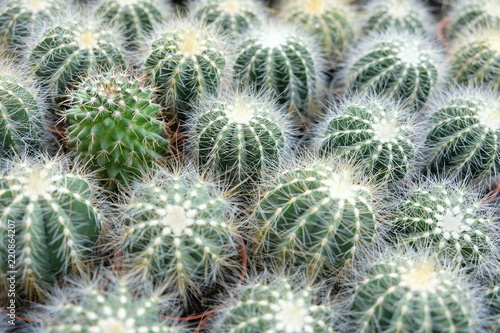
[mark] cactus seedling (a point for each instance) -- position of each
(473, 14)
(56, 223)
(331, 21)
(374, 131)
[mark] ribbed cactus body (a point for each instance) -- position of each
(283, 61)
(66, 53)
(56, 223)
(114, 127)
(399, 65)
(464, 131)
(277, 308)
(373, 131)
(331, 21)
(317, 217)
(187, 61)
(473, 14)
(401, 294)
(19, 19)
(177, 233)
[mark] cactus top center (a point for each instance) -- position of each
(313, 7)
(451, 220)
(240, 112)
(190, 43)
(410, 53)
(273, 39)
(126, 2)
(292, 316)
(340, 185)
(232, 6)
(87, 39)
(36, 5)
(385, 130)
(421, 277)
(38, 183)
(115, 325)
(177, 219)
(489, 117)
(398, 8)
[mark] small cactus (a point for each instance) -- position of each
(55, 218)
(472, 14)
(280, 59)
(401, 293)
(463, 135)
(317, 215)
(113, 126)
(239, 136)
(373, 130)
(331, 21)
(399, 65)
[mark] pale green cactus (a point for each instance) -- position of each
(472, 14)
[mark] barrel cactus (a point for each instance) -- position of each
(239, 136)
(373, 130)
(397, 64)
(49, 220)
(471, 14)
(284, 61)
(464, 131)
(331, 21)
(401, 293)
(317, 215)
(114, 127)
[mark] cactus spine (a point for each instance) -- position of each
(473, 14)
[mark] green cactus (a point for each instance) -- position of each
(403, 15)
(472, 14)
(373, 130)
(475, 57)
(331, 21)
(177, 233)
(464, 134)
(113, 127)
(317, 215)
(449, 220)
(19, 19)
(49, 221)
(239, 136)
(275, 307)
(66, 52)
(186, 61)
(232, 16)
(280, 59)
(399, 65)
(492, 301)
(404, 294)
(135, 18)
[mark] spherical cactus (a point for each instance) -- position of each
(475, 57)
(275, 307)
(177, 232)
(239, 136)
(448, 219)
(113, 126)
(403, 15)
(21, 112)
(331, 21)
(287, 63)
(400, 65)
(67, 51)
(135, 18)
(471, 14)
(232, 16)
(373, 130)
(187, 60)
(317, 215)
(401, 293)
(464, 132)
(49, 223)
(20, 19)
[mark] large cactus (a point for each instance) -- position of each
(471, 14)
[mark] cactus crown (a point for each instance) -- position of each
(472, 14)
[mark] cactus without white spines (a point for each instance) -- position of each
(408, 15)
(317, 214)
(400, 65)
(68, 50)
(19, 19)
(451, 220)
(331, 21)
(411, 292)
(178, 232)
(375, 131)
(187, 60)
(56, 220)
(134, 18)
(22, 112)
(475, 57)
(472, 14)
(239, 135)
(277, 306)
(232, 16)
(464, 132)
(285, 61)
(113, 126)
